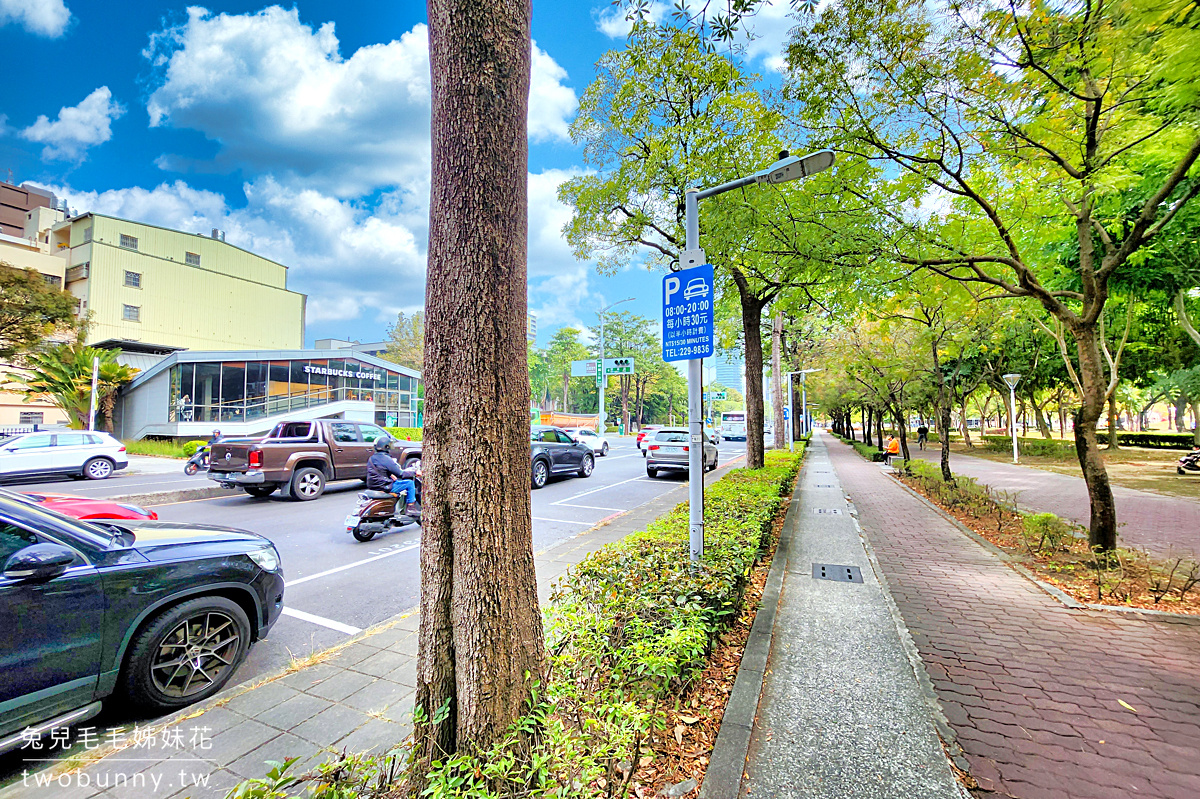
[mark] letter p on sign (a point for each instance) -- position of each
(670, 286)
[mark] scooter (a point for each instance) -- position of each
(197, 462)
(376, 511)
(1189, 462)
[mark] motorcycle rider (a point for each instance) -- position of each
(384, 474)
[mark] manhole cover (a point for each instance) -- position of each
(824, 485)
(840, 574)
(832, 511)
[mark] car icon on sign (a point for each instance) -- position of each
(696, 287)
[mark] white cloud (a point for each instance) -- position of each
(47, 18)
(278, 97)
(77, 127)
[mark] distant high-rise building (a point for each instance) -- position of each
(16, 202)
(531, 328)
(730, 371)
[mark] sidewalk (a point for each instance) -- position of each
(841, 713)
(1163, 525)
(1032, 690)
(355, 697)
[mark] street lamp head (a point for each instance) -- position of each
(793, 167)
(1011, 380)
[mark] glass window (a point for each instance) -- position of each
(87, 233)
(53, 280)
(13, 539)
(32, 417)
(392, 381)
(129, 242)
(131, 313)
(370, 433)
(233, 391)
(181, 392)
(36, 441)
(318, 381)
(563, 438)
(133, 279)
(256, 381)
(672, 437)
(550, 436)
(191, 259)
(207, 392)
(71, 440)
(344, 432)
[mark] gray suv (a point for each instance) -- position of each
(668, 449)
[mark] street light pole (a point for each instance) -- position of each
(788, 167)
(601, 416)
(1012, 380)
(803, 404)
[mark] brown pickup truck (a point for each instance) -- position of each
(299, 458)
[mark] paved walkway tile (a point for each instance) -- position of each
(1032, 690)
(1164, 525)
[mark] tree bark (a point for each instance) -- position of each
(942, 413)
(1040, 418)
(752, 307)
(1102, 531)
(879, 428)
(781, 436)
(1113, 438)
(1196, 423)
(480, 646)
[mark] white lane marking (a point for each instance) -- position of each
(561, 521)
(321, 620)
(589, 507)
(593, 491)
(362, 562)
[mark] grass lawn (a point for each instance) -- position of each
(1131, 467)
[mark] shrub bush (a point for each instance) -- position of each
(627, 631)
(406, 433)
(190, 447)
(156, 447)
(1047, 447)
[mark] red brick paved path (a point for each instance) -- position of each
(1030, 687)
(1162, 524)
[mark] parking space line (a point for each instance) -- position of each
(594, 491)
(589, 507)
(561, 521)
(362, 562)
(322, 621)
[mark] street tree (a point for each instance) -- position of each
(1014, 126)
(62, 375)
(480, 651)
(406, 341)
(30, 311)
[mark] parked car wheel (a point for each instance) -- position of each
(307, 484)
(585, 468)
(604, 449)
(98, 469)
(651, 472)
(541, 473)
(260, 491)
(187, 653)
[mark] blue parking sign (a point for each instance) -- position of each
(688, 314)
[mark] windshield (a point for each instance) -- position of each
(734, 417)
(672, 437)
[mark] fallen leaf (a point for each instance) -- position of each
(689, 719)
(1126, 705)
(679, 728)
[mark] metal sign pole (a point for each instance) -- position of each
(791, 420)
(695, 422)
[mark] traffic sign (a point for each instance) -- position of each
(688, 314)
(612, 366)
(709, 396)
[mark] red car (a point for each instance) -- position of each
(81, 507)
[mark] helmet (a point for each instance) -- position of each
(383, 444)
(216, 434)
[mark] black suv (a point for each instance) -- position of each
(161, 613)
(552, 451)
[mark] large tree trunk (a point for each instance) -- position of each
(480, 651)
(942, 413)
(879, 428)
(752, 330)
(1196, 423)
(965, 427)
(901, 422)
(1102, 530)
(781, 435)
(865, 414)
(1040, 418)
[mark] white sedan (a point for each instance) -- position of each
(78, 453)
(586, 435)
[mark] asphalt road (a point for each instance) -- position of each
(336, 585)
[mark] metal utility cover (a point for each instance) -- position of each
(833, 511)
(839, 574)
(824, 485)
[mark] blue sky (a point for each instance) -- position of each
(302, 131)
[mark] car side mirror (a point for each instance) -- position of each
(38, 562)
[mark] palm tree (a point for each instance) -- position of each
(62, 376)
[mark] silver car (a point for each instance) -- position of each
(668, 449)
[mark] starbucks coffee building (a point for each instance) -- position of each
(188, 394)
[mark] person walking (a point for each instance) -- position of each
(922, 436)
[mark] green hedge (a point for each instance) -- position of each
(1054, 446)
(1150, 440)
(1049, 447)
(627, 631)
(406, 433)
(157, 447)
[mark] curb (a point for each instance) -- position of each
(723, 777)
(167, 497)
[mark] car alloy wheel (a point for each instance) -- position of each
(195, 654)
(98, 469)
(585, 469)
(541, 473)
(604, 449)
(308, 483)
